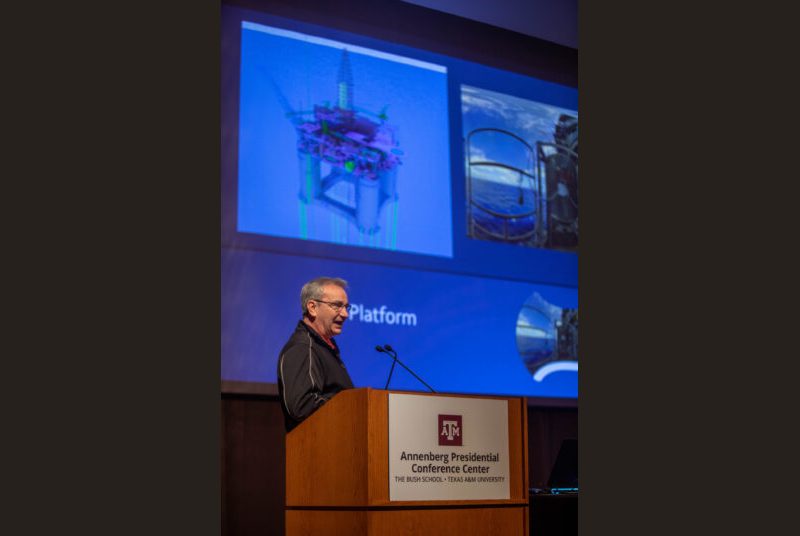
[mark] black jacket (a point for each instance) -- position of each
(309, 374)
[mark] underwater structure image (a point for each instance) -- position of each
(558, 163)
(547, 337)
(522, 190)
(340, 145)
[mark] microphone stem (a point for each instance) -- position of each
(394, 356)
(391, 371)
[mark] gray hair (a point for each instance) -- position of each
(313, 290)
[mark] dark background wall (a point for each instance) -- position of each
(552, 20)
(253, 458)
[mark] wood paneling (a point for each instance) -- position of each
(508, 521)
(379, 447)
(252, 466)
(332, 471)
(253, 459)
(327, 522)
(408, 522)
(517, 450)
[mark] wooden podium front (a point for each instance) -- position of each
(337, 477)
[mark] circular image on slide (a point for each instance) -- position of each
(547, 337)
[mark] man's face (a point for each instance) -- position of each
(329, 321)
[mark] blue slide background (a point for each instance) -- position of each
(464, 340)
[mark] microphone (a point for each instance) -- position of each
(390, 351)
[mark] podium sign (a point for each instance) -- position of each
(447, 448)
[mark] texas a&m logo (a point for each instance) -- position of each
(450, 430)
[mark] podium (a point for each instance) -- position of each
(338, 469)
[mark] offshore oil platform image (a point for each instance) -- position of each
(546, 335)
(558, 161)
(541, 209)
(348, 157)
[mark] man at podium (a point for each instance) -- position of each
(310, 369)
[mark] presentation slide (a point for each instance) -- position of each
(460, 334)
(342, 144)
(443, 191)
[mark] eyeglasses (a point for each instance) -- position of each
(337, 306)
